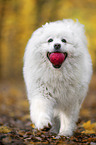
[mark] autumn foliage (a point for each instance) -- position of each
(18, 19)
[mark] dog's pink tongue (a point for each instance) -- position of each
(57, 58)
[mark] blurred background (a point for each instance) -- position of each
(18, 19)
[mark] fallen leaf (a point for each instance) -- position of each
(32, 125)
(89, 127)
(25, 117)
(4, 129)
(89, 131)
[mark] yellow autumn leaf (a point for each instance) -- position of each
(89, 127)
(32, 125)
(25, 117)
(4, 129)
(89, 131)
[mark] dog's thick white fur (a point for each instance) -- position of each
(56, 94)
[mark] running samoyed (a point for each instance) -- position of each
(57, 70)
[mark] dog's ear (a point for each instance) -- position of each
(45, 25)
(38, 32)
(81, 31)
(77, 29)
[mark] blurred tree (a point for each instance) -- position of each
(18, 19)
(2, 11)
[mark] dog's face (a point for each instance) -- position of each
(59, 43)
(56, 55)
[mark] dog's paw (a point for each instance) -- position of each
(43, 121)
(47, 128)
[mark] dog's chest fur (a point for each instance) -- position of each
(63, 91)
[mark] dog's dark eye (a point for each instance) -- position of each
(50, 40)
(64, 40)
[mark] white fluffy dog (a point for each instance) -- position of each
(57, 70)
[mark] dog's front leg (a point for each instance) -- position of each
(41, 111)
(67, 124)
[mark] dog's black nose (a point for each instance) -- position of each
(57, 46)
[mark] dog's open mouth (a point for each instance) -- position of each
(57, 58)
